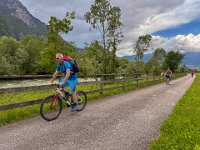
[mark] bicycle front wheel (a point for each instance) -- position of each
(81, 100)
(50, 108)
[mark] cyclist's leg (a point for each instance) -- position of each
(72, 84)
(167, 79)
(65, 84)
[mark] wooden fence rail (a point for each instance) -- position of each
(25, 77)
(138, 80)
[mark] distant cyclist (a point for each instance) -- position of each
(70, 79)
(168, 74)
(192, 72)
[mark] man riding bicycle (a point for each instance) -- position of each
(70, 79)
(168, 74)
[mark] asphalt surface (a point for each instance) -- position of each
(122, 122)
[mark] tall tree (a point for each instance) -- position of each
(114, 33)
(173, 60)
(142, 46)
(157, 60)
(102, 17)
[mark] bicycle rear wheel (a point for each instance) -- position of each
(81, 100)
(167, 80)
(51, 108)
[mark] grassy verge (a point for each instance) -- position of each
(181, 131)
(13, 115)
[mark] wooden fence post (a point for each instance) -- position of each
(101, 84)
(96, 79)
(124, 78)
(147, 78)
(163, 77)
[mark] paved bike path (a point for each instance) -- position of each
(127, 121)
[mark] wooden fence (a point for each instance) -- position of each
(114, 78)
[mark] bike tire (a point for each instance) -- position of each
(81, 100)
(47, 112)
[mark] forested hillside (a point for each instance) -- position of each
(16, 21)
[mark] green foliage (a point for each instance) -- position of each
(130, 67)
(12, 56)
(90, 59)
(139, 66)
(141, 46)
(48, 62)
(162, 60)
(30, 55)
(123, 65)
(182, 129)
(155, 64)
(33, 46)
(173, 60)
(57, 27)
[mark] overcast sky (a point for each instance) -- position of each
(174, 24)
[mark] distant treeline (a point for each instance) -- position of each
(34, 55)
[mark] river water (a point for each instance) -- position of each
(33, 82)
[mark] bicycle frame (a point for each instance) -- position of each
(55, 99)
(59, 94)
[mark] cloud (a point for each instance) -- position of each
(139, 17)
(152, 18)
(184, 43)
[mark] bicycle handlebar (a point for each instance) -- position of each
(57, 85)
(54, 84)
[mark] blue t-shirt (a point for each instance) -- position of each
(63, 68)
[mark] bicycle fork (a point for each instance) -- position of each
(53, 102)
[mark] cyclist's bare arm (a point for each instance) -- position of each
(67, 75)
(54, 76)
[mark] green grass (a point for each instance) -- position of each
(13, 115)
(181, 131)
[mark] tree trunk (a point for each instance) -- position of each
(104, 49)
(114, 59)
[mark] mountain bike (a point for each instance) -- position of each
(52, 106)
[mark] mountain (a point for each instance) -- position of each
(16, 21)
(146, 57)
(191, 59)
